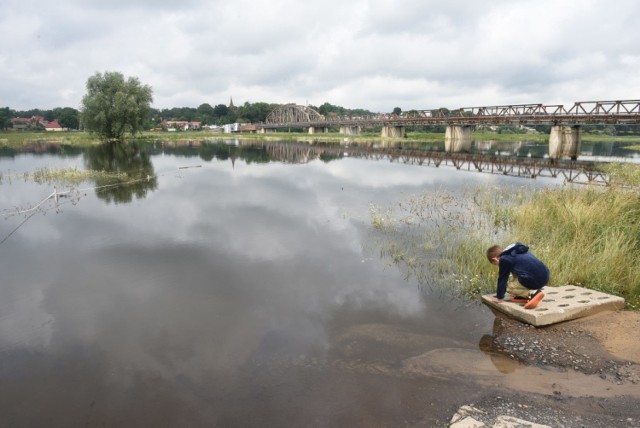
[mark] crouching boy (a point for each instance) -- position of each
(529, 274)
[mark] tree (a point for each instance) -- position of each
(220, 110)
(67, 117)
(205, 113)
(256, 112)
(5, 118)
(327, 108)
(397, 110)
(114, 106)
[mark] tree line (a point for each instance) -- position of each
(220, 114)
(206, 114)
(114, 106)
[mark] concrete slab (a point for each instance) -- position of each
(559, 304)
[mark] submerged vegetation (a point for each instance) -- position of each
(66, 176)
(73, 176)
(588, 236)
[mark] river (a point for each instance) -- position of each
(227, 286)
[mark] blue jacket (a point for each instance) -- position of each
(516, 259)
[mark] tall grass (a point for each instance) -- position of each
(588, 236)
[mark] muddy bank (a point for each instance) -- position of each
(580, 373)
(606, 344)
(596, 361)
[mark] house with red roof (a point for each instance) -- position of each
(52, 126)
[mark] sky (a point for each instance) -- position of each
(370, 54)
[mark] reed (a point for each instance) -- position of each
(64, 176)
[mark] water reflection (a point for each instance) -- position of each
(252, 151)
(487, 345)
(121, 158)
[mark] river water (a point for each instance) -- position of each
(230, 286)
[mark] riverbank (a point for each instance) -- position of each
(596, 361)
(85, 139)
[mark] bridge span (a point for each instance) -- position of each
(564, 139)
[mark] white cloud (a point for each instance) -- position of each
(364, 54)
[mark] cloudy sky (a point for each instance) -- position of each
(372, 54)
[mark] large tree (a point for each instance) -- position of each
(114, 106)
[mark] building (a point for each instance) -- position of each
(181, 125)
(52, 126)
(34, 122)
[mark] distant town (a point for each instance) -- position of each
(218, 118)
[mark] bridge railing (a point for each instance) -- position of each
(630, 107)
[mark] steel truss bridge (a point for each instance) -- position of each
(570, 171)
(581, 113)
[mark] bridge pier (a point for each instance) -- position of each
(457, 138)
(267, 131)
(395, 131)
(565, 141)
(351, 130)
(318, 130)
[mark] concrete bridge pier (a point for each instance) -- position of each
(565, 141)
(457, 138)
(351, 130)
(318, 130)
(396, 131)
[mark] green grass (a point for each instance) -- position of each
(587, 236)
(21, 139)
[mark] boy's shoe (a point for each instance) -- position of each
(535, 299)
(517, 299)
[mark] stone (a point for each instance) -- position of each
(560, 304)
(463, 413)
(467, 422)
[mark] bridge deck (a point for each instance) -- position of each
(625, 112)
